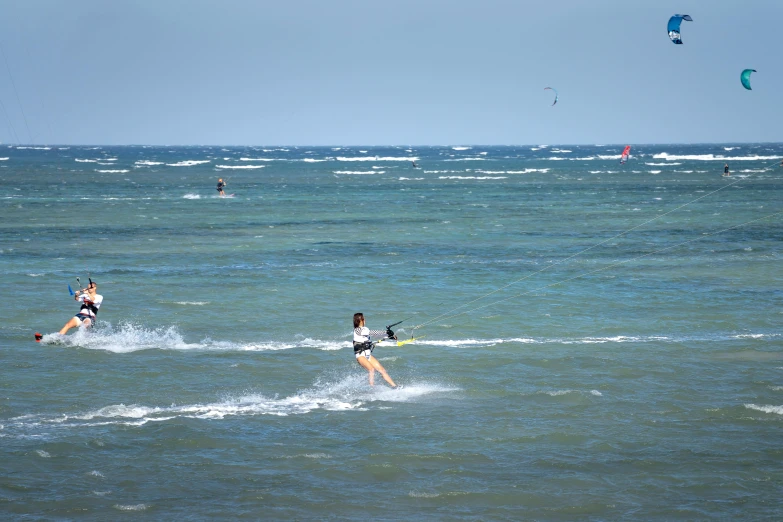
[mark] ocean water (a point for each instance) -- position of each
(598, 341)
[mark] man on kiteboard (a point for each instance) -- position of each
(91, 301)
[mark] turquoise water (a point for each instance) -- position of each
(600, 341)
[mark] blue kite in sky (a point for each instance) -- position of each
(552, 88)
(674, 27)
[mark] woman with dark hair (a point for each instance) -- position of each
(363, 346)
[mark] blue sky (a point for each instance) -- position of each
(408, 72)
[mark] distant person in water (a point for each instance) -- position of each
(91, 301)
(726, 170)
(416, 166)
(363, 346)
(220, 186)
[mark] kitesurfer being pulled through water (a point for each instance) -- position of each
(220, 185)
(91, 301)
(363, 345)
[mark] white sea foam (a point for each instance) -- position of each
(128, 337)
(561, 151)
(344, 394)
(191, 196)
(113, 171)
(131, 507)
(258, 159)
(558, 393)
(655, 172)
(86, 160)
(187, 163)
(729, 148)
(667, 164)
(766, 409)
(466, 159)
(411, 179)
(311, 160)
(471, 177)
(192, 303)
(147, 163)
(240, 166)
(461, 148)
(359, 172)
(560, 158)
(36, 275)
(377, 158)
(43, 454)
(711, 157)
(526, 171)
(422, 494)
(34, 148)
(4, 159)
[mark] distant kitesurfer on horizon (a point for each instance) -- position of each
(363, 345)
(726, 170)
(91, 302)
(220, 186)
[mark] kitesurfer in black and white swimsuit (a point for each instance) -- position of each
(220, 185)
(363, 345)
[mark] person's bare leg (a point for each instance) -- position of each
(374, 362)
(73, 323)
(363, 362)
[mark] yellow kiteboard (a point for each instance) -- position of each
(388, 342)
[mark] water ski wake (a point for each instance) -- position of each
(345, 394)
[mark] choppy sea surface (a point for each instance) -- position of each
(599, 341)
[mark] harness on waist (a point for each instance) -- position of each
(90, 308)
(360, 347)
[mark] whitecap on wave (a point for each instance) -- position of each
(377, 158)
(471, 177)
(712, 157)
(766, 409)
(240, 166)
(187, 163)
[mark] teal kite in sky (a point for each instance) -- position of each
(745, 78)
